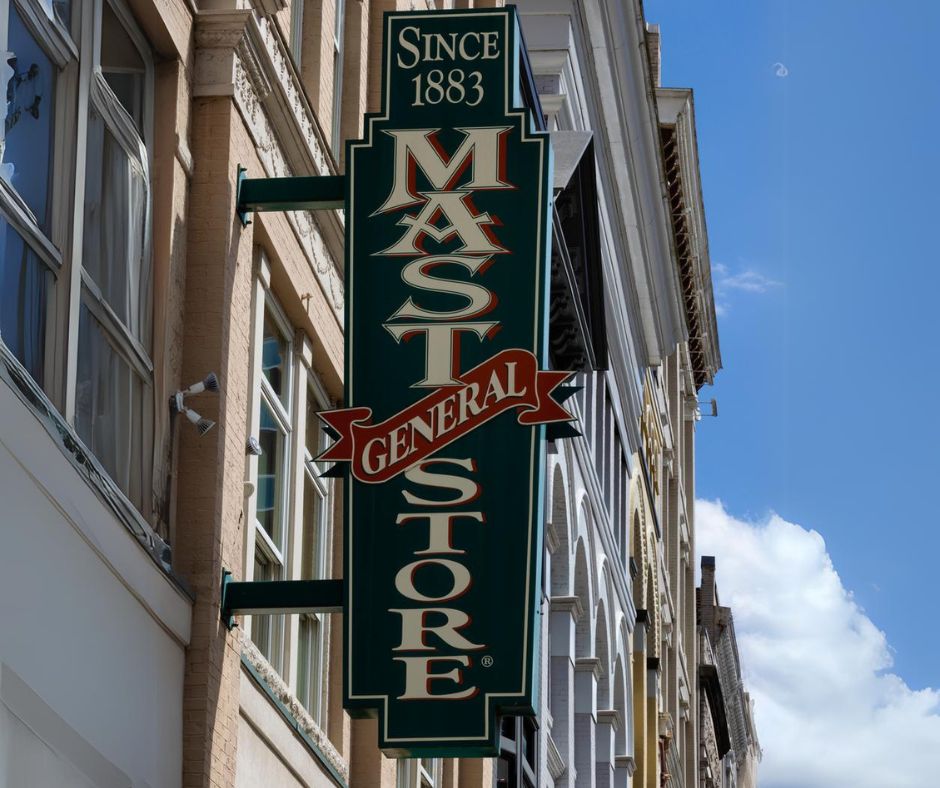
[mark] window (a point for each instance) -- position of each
(291, 504)
(35, 49)
(114, 381)
(314, 556)
(518, 753)
(272, 505)
(297, 31)
(420, 773)
(336, 138)
(78, 245)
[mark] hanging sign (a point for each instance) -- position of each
(447, 255)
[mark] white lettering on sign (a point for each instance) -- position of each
(415, 629)
(461, 222)
(440, 529)
(418, 274)
(442, 349)
(445, 212)
(405, 580)
(437, 47)
(433, 190)
(482, 149)
(418, 678)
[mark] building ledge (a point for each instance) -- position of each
(51, 454)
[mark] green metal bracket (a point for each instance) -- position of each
(560, 431)
(278, 596)
(299, 193)
(563, 429)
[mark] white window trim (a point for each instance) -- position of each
(297, 31)
(74, 51)
(94, 90)
(57, 44)
(412, 773)
(339, 32)
(301, 382)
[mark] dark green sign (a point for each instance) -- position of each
(447, 254)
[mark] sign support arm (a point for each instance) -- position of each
(243, 598)
(298, 193)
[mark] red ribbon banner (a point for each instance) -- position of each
(379, 452)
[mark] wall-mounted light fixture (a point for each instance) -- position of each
(177, 402)
(203, 425)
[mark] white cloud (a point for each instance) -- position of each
(829, 713)
(725, 281)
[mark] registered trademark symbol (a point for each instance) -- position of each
(487, 661)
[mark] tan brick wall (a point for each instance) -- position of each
(355, 69)
(316, 67)
(211, 468)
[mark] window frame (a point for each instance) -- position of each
(339, 53)
(95, 94)
(285, 632)
(73, 47)
(57, 43)
(297, 31)
(523, 770)
(323, 489)
(274, 548)
(413, 773)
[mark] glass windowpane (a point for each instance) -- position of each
(275, 358)
(261, 625)
(115, 219)
(122, 65)
(270, 475)
(110, 409)
(63, 11)
(26, 142)
(308, 666)
(314, 428)
(311, 565)
(24, 284)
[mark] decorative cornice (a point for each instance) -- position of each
(242, 56)
(625, 762)
(556, 764)
(273, 679)
(219, 34)
(571, 604)
(269, 7)
(610, 717)
(588, 665)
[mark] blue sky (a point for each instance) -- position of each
(822, 209)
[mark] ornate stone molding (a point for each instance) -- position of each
(243, 56)
(556, 764)
(610, 717)
(571, 604)
(273, 679)
(625, 762)
(589, 665)
(268, 7)
(218, 33)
